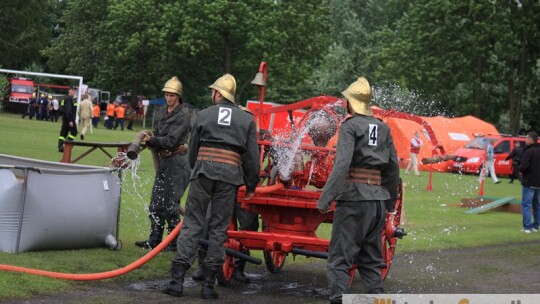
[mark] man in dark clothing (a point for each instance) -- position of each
(515, 156)
(364, 182)
(31, 107)
(69, 112)
(43, 103)
(169, 140)
(223, 153)
(530, 180)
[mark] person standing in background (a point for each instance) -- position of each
(490, 164)
(31, 107)
(85, 113)
(97, 114)
(54, 109)
(120, 112)
(416, 144)
(110, 115)
(43, 103)
(69, 127)
(515, 156)
(530, 181)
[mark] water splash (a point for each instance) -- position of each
(318, 125)
(404, 100)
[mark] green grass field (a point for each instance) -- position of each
(433, 219)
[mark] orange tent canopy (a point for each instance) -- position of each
(451, 133)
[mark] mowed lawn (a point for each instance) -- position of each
(433, 219)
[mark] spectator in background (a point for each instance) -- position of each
(120, 112)
(69, 128)
(416, 144)
(130, 116)
(515, 156)
(530, 195)
(97, 114)
(110, 116)
(43, 103)
(85, 112)
(54, 109)
(490, 164)
(31, 107)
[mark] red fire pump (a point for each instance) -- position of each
(286, 198)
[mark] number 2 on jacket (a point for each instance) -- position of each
(224, 117)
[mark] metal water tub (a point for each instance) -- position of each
(47, 205)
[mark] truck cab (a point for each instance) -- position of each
(19, 92)
(471, 158)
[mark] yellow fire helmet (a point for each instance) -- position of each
(50, 96)
(34, 95)
(359, 96)
(226, 86)
(42, 95)
(174, 86)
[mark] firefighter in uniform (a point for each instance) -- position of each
(246, 221)
(68, 110)
(169, 139)
(363, 182)
(223, 153)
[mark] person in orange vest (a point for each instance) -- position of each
(97, 113)
(109, 119)
(120, 111)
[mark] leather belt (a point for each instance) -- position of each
(219, 156)
(364, 176)
(182, 149)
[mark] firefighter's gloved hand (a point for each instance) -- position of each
(390, 205)
(249, 195)
(323, 207)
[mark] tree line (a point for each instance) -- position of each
(427, 57)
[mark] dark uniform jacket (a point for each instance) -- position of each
(364, 142)
(172, 129)
(530, 166)
(67, 108)
(515, 156)
(225, 126)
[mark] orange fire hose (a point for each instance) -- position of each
(101, 275)
(120, 271)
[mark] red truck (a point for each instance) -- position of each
(19, 91)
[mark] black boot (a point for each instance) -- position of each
(207, 291)
(60, 145)
(198, 275)
(156, 235)
(176, 285)
(238, 273)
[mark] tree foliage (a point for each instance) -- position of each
(137, 45)
(25, 31)
(425, 57)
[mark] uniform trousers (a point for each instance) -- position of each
(170, 183)
(66, 129)
(356, 239)
(202, 190)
